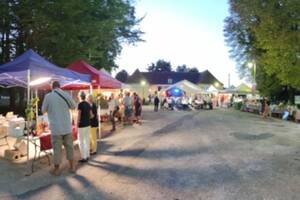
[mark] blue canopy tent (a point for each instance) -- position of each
(13, 79)
(31, 66)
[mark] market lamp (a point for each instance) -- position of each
(216, 84)
(39, 81)
(143, 83)
(176, 90)
(250, 65)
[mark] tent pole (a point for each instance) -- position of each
(91, 89)
(99, 113)
(36, 108)
(28, 122)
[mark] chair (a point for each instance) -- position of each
(42, 144)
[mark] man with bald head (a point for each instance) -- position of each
(57, 105)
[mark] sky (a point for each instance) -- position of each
(182, 32)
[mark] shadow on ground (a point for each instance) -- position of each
(65, 190)
(248, 136)
(175, 178)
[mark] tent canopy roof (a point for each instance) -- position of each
(241, 89)
(39, 67)
(244, 88)
(99, 78)
(186, 86)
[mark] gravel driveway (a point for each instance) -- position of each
(218, 154)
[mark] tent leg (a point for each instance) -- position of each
(36, 107)
(91, 89)
(99, 114)
(28, 119)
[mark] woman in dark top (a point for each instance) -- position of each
(263, 104)
(94, 125)
(84, 115)
(156, 103)
(266, 112)
(137, 108)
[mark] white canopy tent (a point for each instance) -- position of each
(186, 86)
(212, 89)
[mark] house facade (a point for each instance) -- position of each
(145, 83)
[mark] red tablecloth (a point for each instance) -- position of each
(46, 143)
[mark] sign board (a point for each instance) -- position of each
(297, 99)
(4, 100)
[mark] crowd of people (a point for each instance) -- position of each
(204, 101)
(127, 108)
(58, 103)
(264, 107)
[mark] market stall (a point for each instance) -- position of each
(188, 87)
(30, 70)
(101, 80)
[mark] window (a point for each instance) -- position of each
(170, 81)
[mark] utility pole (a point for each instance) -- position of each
(229, 80)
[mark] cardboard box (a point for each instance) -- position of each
(21, 146)
(12, 155)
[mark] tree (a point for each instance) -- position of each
(64, 31)
(194, 70)
(278, 33)
(271, 86)
(122, 76)
(182, 68)
(266, 32)
(7, 21)
(160, 66)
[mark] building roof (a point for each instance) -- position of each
(168, 78)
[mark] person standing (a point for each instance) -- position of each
(120, 112)
(84, 116)
(149, 99)
(222, 100)
(263, 105)
(156, 103)
(266, 111)
(113, 109)
(128, 105)
(94, 125)
(57, 105)
(137, 108)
